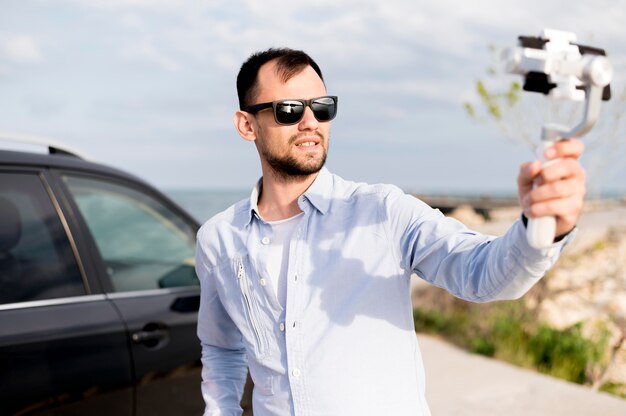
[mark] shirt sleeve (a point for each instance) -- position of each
(469, 265)
(224, 364)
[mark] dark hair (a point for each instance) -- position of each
(289, 63)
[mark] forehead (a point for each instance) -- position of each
(304, 84)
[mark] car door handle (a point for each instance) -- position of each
(150, 338)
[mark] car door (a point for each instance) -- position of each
(146, 250)
(63, 346)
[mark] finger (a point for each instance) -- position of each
(568, 207)
(566, 188)
(560, 169)
(567, 148)
(527, 173)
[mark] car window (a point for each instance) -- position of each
(36, 259)
(142, 242)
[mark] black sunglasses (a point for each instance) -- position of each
(287, 112)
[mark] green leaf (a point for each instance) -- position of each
(494, 110)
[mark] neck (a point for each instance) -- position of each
(279, 196)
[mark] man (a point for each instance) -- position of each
(307, 282)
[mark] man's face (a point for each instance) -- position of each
(298, 150)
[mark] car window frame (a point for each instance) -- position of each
(82, 228)
(57, 206)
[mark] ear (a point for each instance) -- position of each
(243, 125)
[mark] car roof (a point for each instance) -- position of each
(11, 158)
(62, 161)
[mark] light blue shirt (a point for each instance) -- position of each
(345, 342)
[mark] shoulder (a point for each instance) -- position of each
(380, 192)
(389, 200)
(221, 228)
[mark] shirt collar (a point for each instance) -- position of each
(254, 199)
(320, 191)
(318, 194)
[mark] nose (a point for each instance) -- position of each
(308, 122)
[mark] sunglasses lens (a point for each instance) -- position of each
(324, 108)
(289, 111)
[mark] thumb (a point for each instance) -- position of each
(527, 174)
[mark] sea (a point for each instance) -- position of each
(202, 204)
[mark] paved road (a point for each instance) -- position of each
(464, 384)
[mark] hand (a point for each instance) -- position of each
(559, 186)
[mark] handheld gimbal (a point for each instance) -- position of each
(555, 65)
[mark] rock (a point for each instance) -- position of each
(467, 215)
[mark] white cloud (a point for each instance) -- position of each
(21, 49)
(128, 4)
(132, 21)
(406, 88)
(145, 51)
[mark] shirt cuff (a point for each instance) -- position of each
(559, 242)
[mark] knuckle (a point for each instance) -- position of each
(535, 196)
(581, 186)
(558, 188)
(575, 165)
(532, 211)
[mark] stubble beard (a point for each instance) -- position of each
(289, 169)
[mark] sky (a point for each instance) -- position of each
(148, 86)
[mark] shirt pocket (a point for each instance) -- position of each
(263, 384)
(252, 309)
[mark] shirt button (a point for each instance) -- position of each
(282, 327)
(265, 240)
(263, 282)
(295, 373)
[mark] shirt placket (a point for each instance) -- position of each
(265, 238)
(296, 369)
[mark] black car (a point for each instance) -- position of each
(98, 293)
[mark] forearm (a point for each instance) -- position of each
(534, 267)
(502, 268)
(224, 364)
(521, 266)
(223, 378)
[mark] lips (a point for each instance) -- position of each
(307, 142)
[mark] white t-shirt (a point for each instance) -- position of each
(278, 256)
